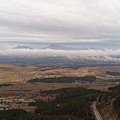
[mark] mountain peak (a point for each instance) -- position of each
(59, 47)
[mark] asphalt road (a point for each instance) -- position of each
(96, 112)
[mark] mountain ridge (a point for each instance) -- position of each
(59, 47)
(22, 47)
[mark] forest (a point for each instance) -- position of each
(70, 103)
(64, 79)
(113, 73)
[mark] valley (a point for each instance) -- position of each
(22, 85)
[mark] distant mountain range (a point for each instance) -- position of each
(28, 55)
(61, 47)
(54, 47)
(23, 47)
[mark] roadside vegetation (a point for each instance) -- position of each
(110, 101)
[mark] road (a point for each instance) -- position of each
(96, 112)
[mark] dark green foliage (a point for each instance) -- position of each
(64, 79)
(55, 117)
(18, 114)
(71, 101)
(111, 98)
(114, 80)
(113, 73)
(1, 85)
(116, 88)
(71, 104)
(117, 105)
(15, 115)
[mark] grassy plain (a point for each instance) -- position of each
(17, 73)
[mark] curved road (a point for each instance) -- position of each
(96, 112)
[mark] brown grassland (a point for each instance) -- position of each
(13, 73)
(18, 75)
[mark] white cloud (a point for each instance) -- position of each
(63, 20)
(107, 54)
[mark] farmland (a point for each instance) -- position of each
(18, 73)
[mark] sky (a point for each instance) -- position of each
(94, 22)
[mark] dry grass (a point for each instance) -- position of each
(20, 73)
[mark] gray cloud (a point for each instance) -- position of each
(56, 21)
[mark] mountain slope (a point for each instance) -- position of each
(59, 47)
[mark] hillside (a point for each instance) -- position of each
(109, 104)
(67, 103)
(59, 47)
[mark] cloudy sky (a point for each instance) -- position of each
(89, 23)
(82, 21)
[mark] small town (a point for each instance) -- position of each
(7, 104)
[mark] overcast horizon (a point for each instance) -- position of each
(70, 23)
(77, 45)
(49, 21)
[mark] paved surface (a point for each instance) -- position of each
(96, 112)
